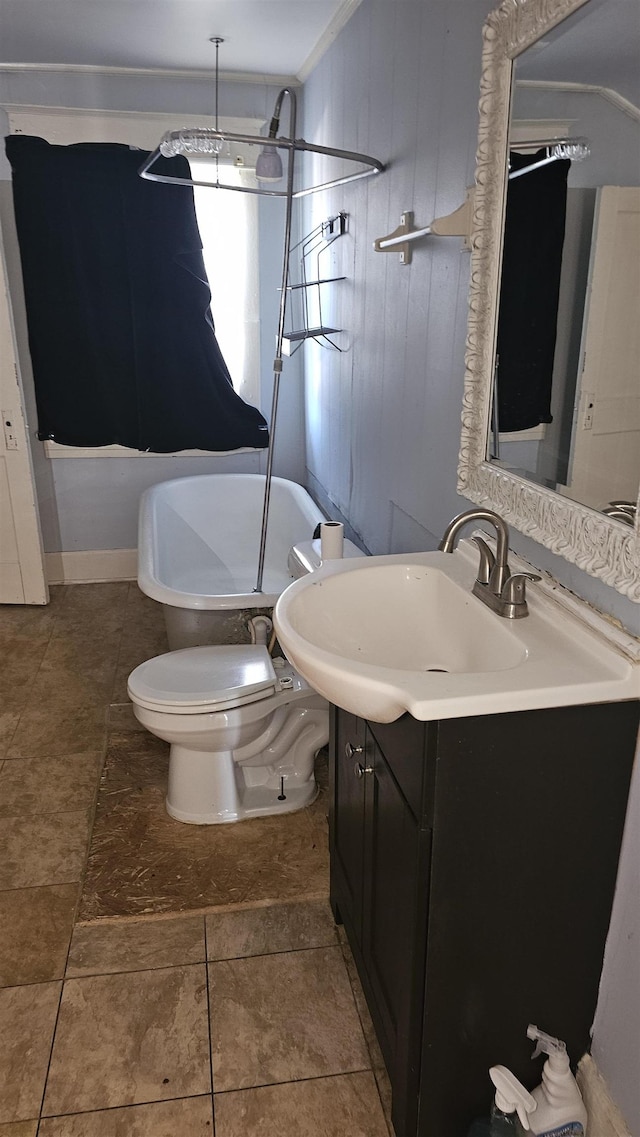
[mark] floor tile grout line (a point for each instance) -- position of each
(295, 1081)
(364, 1033)
(193, 962)
(267, 954)
(206, 971)
(112, 1108)
(53, 1039)
(133, 970)
(355, 1003)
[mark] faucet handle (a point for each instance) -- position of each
(487, 561)
(513, 591)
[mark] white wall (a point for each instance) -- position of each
(383, 418)
(400, 83)
(92, 503)
(616, 1036)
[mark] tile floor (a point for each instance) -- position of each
(122, 1028)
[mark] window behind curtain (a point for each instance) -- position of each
(228, 224)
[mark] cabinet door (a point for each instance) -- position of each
(528, 820)
(397, 854)
(346, 820)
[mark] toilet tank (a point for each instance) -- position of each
(305, 557)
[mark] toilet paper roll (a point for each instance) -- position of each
(331, 540)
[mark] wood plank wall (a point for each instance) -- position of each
(382, 418)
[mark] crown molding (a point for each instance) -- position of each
(151, 73)
(608, 93)
(242, 125)
(330, 34)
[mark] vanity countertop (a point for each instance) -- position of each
(389, 634)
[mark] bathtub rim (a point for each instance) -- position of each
(149, 583)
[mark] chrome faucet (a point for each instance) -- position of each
(503, 592)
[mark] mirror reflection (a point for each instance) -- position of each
(566, 407)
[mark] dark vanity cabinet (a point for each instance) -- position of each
(473, 864)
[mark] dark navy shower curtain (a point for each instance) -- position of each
(120, 330)
(530, 284)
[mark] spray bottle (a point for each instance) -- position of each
(512, 1105)
(560, 1111)
(510, 1109)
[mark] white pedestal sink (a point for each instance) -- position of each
(384, 635)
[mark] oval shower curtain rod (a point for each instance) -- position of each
(207, 141)
(199, 142)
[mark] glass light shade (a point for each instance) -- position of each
(269, 165)
(575, 149)
(194, 141)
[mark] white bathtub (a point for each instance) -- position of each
(198, 546)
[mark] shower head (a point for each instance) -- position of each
(269, 163)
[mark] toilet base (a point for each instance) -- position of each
(257, 801)
(212, 789)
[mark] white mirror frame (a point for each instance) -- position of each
(600, 546)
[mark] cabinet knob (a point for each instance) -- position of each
(360, 770)
(350, 751)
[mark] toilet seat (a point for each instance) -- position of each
(196, 680)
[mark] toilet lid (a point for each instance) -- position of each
(223, 676)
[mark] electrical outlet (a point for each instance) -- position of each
(589, 409)
(10, 436)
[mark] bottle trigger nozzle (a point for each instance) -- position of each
(546, 1044)
(511, 1095)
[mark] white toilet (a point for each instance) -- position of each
(244, 730)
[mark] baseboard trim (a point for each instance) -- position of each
(605, 1119)
(91, 566)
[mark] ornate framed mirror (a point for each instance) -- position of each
(541, 70)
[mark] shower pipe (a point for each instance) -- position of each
(277, 363)
(201, 141)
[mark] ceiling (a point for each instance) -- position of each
(268, 37)
(598, 45)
